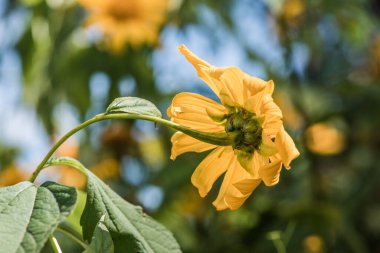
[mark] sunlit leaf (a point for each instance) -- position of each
(133, 105)
(131, 229)
(29, 214)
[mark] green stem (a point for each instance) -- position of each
(59, 143)
(54, 244)
(74, 235)
(220, 139)
(280, 247)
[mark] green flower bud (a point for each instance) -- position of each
(237, 123)
(247, 128)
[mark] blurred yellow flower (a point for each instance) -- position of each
(313, 244)
(292, 9)
(11, 175)
(70, 148)
(324, 139)
(374, 52)
(70, 176)
(293, 119)
(135, 22)
(260, 143)
(107, 168)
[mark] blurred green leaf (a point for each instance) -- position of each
(31, 2)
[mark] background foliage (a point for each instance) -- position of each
(324, 57)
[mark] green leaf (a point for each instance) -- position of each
(133, 105)
(29, 214)
(131, 229)
(74, 219)
(101, 240)
(65, 196)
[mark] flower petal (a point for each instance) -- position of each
(245, 188)
(201, 66)
(271, 125)
(246, 160)
(232, 80)
(250, 162)
(253, 84)
(269, 107)
(267, 147)
(225, 82)
(286, 147)
(189, 109)
(235, 173)
(192, 58)
(261, 102)
(270, 174)
(253, 103)
(182, 143)
(215, 164)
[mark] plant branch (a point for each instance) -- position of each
(221, 139)
(54, 244)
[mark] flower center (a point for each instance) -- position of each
(122, 11)
(247, 127)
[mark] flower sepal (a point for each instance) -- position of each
(220, 138)
(246, 161)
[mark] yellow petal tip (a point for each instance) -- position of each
(202, 193)
(182, 47)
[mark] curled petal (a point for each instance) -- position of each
(250, 162)
(261, 103)
(267, 147)
(286, 147)
(189, 109)
(182, 143)
(271, 125)
(269, 107)
(228, 192)
(245, 160)
(201, 67)
(215, 164)
(244, 189)
(232, 80)
(226, 98)
(270, 173)
(269, 88)
(253, 103)
(192, 58)
(254, 84)
(225, 82)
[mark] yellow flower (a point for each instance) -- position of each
(11, 175)
(247, 112)
(325, 139)
(133, 21)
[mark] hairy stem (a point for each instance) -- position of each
(280, 247)
(54, 244)
(221, 139)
